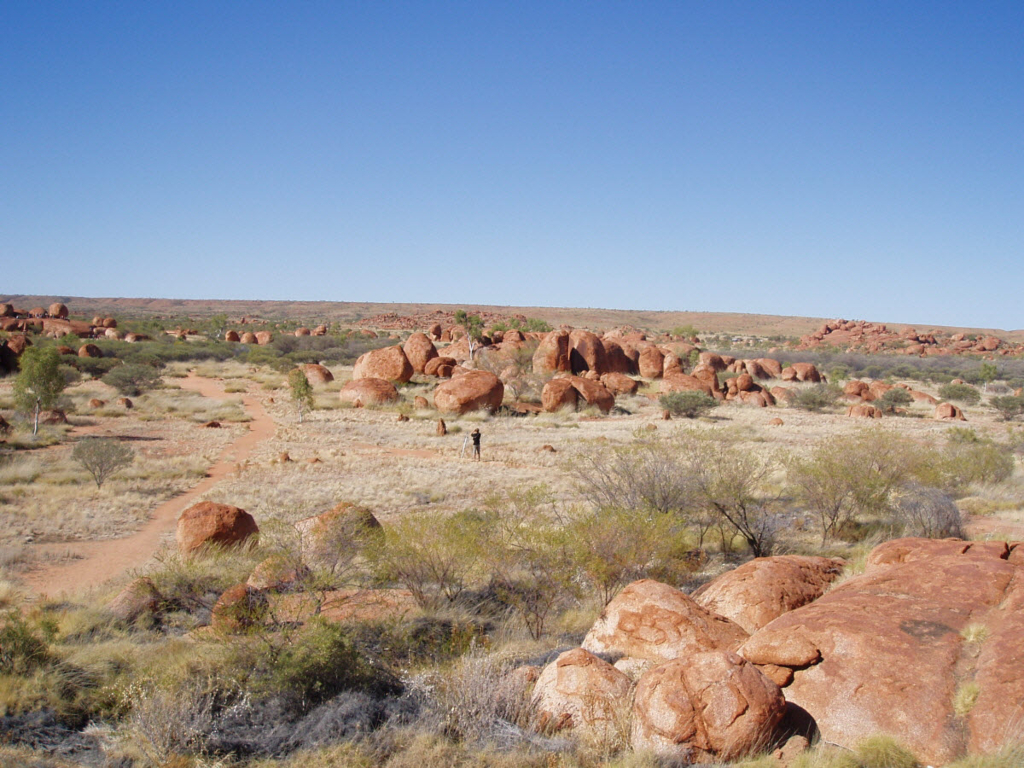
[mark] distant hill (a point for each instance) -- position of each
(315, 312)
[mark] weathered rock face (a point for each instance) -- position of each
(651, 620)
(620, 384)
(335, 536)
(471, 391)
(316, 374)
(709, 706)
(552, 355)
(58, 310)
(558, 394)
(593, 393)
(248, 338)
(650, 362)
(949, 412)
(883, 652)
(210, 523)
(368, 392)
(580, 691)
(801, 372)
(264, 337)
(420, 350)
(681, 382)
(586, 353)
(617, 360)
(763, 589)
(434, 365)
(389, 363)
(233, 336)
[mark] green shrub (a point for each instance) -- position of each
(132, 379)
(816, 397)
(687, 404)
(21, 648)
(961, 393)
(102, 456)
(897, 397)
(1009, 406)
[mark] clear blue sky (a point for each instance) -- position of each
(837, 159)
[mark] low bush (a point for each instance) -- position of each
(816, 397)
(960, 393)
(927, 513)
(687, 404)
(893, 399)
(132, 379)
(1009, 406)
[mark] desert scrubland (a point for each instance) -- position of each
(748, 544)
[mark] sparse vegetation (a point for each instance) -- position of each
(960, 393)
(687, 404)
(816, 397)
(102, 456)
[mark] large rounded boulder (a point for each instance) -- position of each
(593, 393)
(578, 690)
(765, 588)
(335, 537)
(654, 621)
(552, 354)
(368, 392)
(470, 391)
(389, 363)
(420, 350)
(558, 394)
(710, 706)
(209, 523)
(316, 374)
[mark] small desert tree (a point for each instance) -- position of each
(474, 326)
(302, 392)
(895, 398)
(687, 404)
(988, 372)
(39, 383)
(102, 456)
(132, 379)
(816, 397)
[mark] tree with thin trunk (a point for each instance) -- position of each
(302, 392)
(39, 382)
(474, 326)
(102, 456)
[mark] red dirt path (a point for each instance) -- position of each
(96, 562)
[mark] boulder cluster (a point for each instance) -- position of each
(926, 646)
(861, 336)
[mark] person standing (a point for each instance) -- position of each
(476, 444)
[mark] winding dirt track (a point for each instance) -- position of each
(96, 562)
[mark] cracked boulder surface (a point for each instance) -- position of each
(891, 650)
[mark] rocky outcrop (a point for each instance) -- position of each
(620, 384)
(389, 363)
(441, 367)
(886, 652)
(368, 392)
(650, 362)
(580, 691)
(651, 620)
(763, 589)
(209, 523)
(587, 353)
(709, 706)
(593, 393)
(471, 391)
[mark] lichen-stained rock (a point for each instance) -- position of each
(211, 523)
(709, 706)
(884, 652)
(765, 588)
(368, 392)
(580, 691)
(389, 363)
(470, 391)
(651, 620)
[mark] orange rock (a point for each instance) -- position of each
(211, 523)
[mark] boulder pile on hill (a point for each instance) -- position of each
(861, 336)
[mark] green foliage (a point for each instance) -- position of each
(687, 404)
(102, 456)
(895, 398)
(960, 393)
(22, 650)
(816, 397)
(685, 331)
(988, 372)
(644, 476)
(1009, 406)
(473, 324)
(302, 392)
(838, 373)
(132, 379)
(39, 383)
